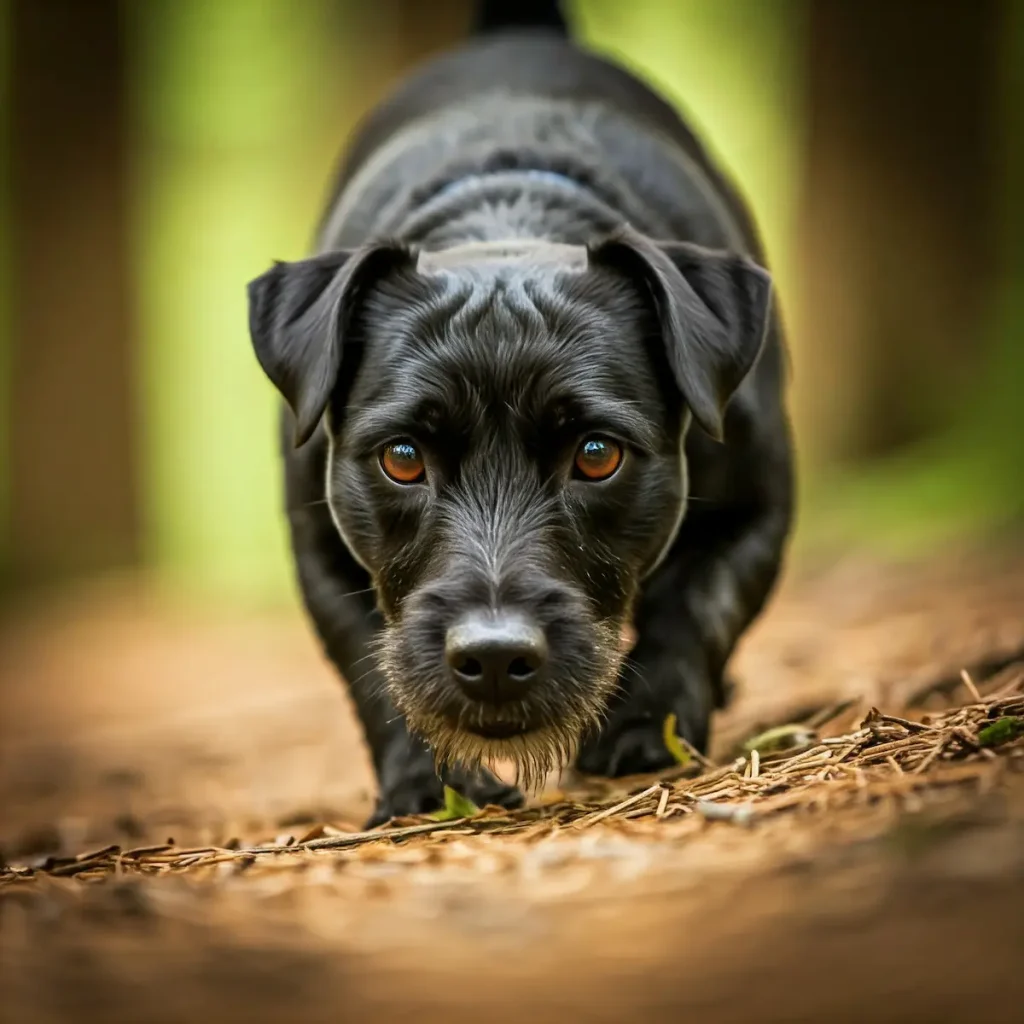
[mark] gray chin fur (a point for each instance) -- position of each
(533, 754)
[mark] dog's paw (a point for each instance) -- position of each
(637, 748)
(483, 788)
(418, 794)
(423, 793)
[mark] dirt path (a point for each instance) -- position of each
(880, 875)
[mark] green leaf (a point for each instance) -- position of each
(455, 806)
(1002, 730)
(673, 743)
(782, 737)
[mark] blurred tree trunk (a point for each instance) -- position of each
(73, 495)
(898, 233)
(967, 478)
(426, 29)
(394, 36)
(5, 294)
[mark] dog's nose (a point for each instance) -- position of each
(495, 657)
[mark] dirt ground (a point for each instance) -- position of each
(876, 873)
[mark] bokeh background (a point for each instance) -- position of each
(159, 153)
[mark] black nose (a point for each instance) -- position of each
(495, 657)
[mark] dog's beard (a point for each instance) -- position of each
(555, 718)
(533, 755)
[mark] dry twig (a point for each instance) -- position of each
(889, 757)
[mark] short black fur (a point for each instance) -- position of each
(494, 371)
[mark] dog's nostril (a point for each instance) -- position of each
(495, 657)
(468, 668)
(520, 668)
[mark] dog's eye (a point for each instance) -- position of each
(597, 458)
(402, 461)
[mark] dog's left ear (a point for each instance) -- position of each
(299, 315)
(713, 308)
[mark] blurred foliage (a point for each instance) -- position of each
(238, 110)
(226, 103)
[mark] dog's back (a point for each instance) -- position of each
(522, 52)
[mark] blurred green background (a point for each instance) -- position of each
(159, 153)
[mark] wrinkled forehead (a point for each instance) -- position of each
(530, 332)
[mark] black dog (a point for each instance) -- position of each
(533, 287)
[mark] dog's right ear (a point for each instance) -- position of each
(299, 314)
(713, 308)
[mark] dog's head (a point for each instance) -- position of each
(506, 456)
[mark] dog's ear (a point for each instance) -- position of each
(299, 314)
(713, 309)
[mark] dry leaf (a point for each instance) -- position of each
(673, 743)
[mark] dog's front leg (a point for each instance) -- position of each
(689, 618)
(340, 600)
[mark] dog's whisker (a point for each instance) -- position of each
(372, 656)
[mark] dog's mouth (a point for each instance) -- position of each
(538, 731)
(532, 751)
(497, 730)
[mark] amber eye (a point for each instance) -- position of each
(597, 458)
(402, 461)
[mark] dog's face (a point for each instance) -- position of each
(506, 459)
